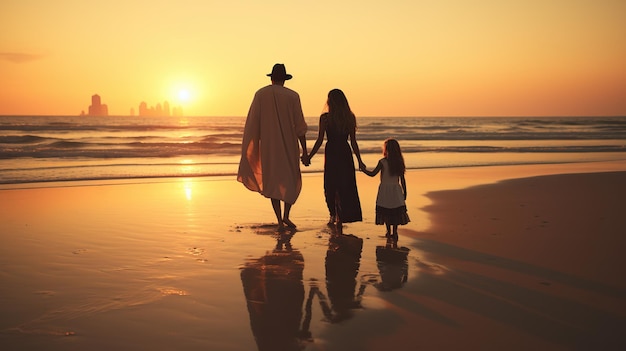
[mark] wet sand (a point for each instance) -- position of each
(196, 264)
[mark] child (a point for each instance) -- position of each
(390, 201)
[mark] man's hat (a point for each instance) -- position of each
(279, 72)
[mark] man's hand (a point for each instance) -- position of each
(305, 160)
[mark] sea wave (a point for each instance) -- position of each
(59, 148)
(73, 149)
(22, 139)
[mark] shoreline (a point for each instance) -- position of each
(373, 158)
(158, 263)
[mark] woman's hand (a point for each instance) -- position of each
(362, 166)
(306, 160)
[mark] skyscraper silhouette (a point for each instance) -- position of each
(97, 108)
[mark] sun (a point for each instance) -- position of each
(184, 95)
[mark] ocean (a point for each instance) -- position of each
(43, 149)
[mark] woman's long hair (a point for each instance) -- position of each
(340, 116)
(394, 157)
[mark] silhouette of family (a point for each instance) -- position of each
(274, 143)
(273, 146)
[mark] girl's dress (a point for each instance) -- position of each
(390, 205)
(342, 196)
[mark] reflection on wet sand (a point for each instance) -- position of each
(274, 289)
(393, 266)
(274, 293)
(342, 266)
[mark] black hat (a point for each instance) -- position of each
(279, 72)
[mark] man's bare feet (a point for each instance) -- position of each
(289, 223)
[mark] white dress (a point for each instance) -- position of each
(390, 204)
(390, 194)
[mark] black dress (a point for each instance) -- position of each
(342, 197)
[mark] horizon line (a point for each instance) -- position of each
(365, 116)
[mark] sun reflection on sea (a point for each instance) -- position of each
(188, 188)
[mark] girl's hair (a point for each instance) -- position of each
(340, 115)
(393, 154)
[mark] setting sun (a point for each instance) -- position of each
(184, 95)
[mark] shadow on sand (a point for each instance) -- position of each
(557, 319)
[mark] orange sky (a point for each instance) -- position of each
(393, 58)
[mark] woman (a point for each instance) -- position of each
(339, 123)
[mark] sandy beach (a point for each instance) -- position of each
(499, 258)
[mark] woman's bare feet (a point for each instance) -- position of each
(331, 221)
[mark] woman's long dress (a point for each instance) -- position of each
(342, 197)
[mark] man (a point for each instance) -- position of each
(269, 151)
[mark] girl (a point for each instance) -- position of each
(390, 201)
(340, 190)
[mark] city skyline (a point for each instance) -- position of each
(158, 110)
(97, 108)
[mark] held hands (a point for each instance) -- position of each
(362, 166)
(306, 160)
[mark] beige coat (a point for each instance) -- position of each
(270, 153)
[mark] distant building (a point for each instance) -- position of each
(160, 110)
(143, 109)
(97, 108)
